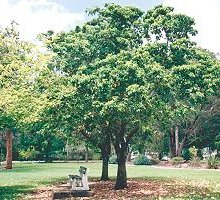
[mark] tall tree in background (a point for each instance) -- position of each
(10, 53)
(195, 71)
(24, 80)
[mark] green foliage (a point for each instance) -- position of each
(122, 84)
(165, 24)
(154, 161)
(193, 152)
(19, 71)
(47, 144)
(213, 162)
(195, 71)
(186, 154)
(195, 162)
(29, 154)
(177, 160)
(200, 154)
(217, 142)
(142, 160)
(2, 156)
(96, 156)
(113, 159)
(79, 153)
(59, 155)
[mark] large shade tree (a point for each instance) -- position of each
(111, 30)
(117, 83)
(128, 68)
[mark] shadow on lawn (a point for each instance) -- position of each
(13, 192)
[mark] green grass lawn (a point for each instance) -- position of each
(25, 177)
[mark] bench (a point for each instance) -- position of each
(79, 182)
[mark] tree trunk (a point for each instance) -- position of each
(172, 143)
(129, 157)
(160, 155)
(86, 154)
(105, 147)
(47, 156)
(9, 149)
(182, 144)
(47, 151)
(105, 151)
(176, 140)
(121, 181)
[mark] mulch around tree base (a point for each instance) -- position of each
(137, 189)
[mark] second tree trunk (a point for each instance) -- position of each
(121, 181)
(105, 151)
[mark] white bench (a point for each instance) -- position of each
(80, 182)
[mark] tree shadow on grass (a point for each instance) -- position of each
(14, 192)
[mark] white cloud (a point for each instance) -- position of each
(37, 16)
(207, 16)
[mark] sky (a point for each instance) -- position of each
(37, 16)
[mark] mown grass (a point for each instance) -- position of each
(26, 177)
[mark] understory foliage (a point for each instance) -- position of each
(29, 154)
(177, 160)
(113, 159)
(142, 160)
(213, 162)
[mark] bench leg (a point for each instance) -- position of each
(73, 185)
(85, 184)
(70, 182)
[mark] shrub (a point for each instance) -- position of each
(193, 152)
(59, 156)
(154, 161)
(2, 157)
(113, 159)
(142, 160)
(96, 156)
(186, 154)
(200, 154)
(177, 160)
(213, 162)
(195, 162)
(29, 154)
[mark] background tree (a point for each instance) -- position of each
(194, 79)
(24, 79)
